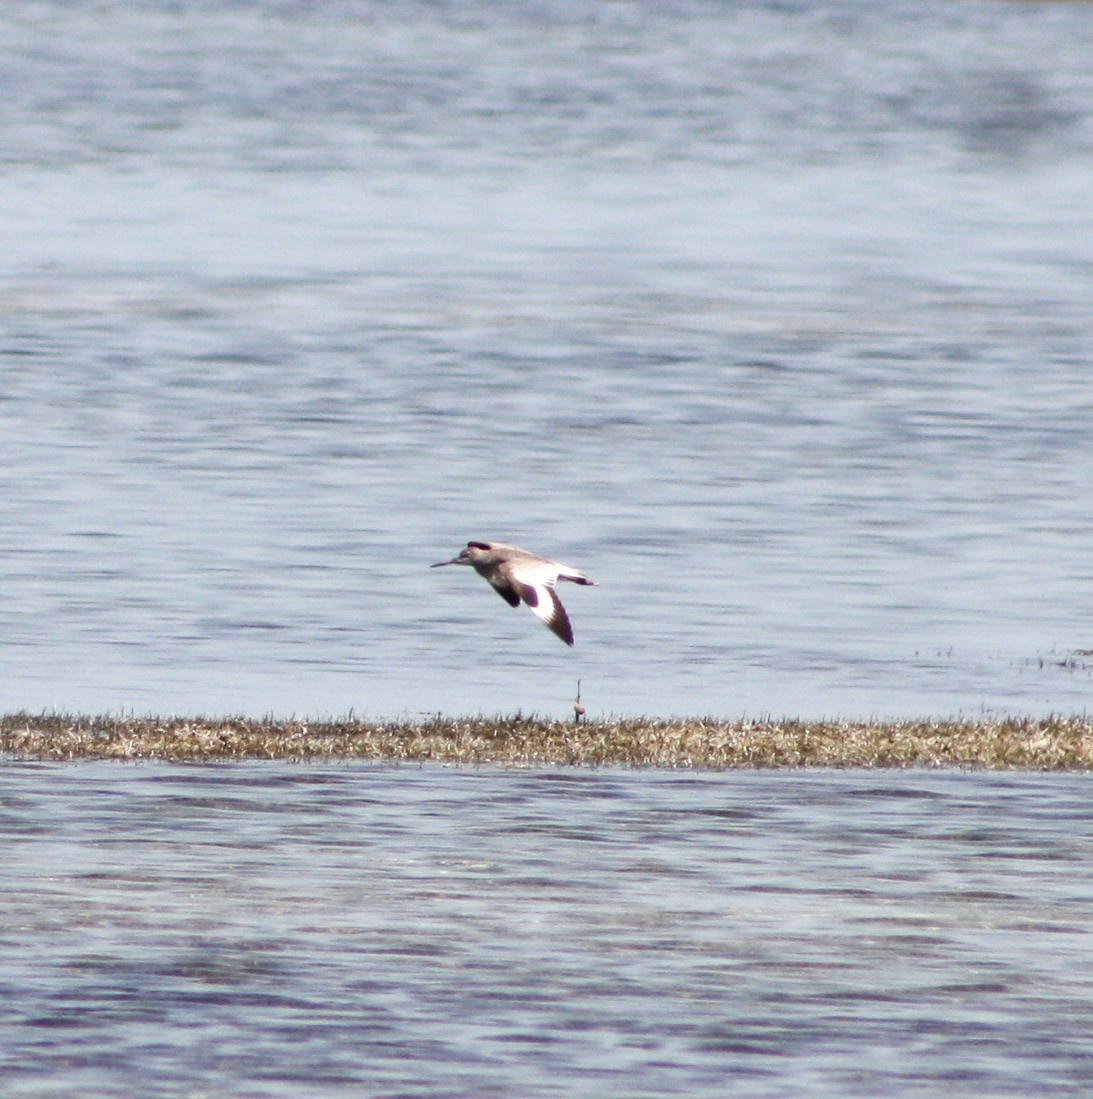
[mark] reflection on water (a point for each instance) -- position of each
(773, 317)
(261, 929)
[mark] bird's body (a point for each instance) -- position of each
(519, 576)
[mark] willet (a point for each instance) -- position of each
(515, 574)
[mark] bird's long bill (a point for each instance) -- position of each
(453, 561)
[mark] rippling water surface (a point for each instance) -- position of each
(268, 930)
(775, 317)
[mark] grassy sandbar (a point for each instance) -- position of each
(1052, 743)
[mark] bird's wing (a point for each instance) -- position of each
(545, 605)
(502, 584)
(534, 579)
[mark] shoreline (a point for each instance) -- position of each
(1056, 743)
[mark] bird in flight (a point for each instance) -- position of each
(517, 575)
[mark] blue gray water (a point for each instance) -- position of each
(774, 317)
(275, 930)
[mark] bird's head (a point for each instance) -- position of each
(471, 554)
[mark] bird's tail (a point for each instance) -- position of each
(574, 576)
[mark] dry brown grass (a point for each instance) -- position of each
(1053, 743)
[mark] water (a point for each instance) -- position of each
(268, 930)
(774, 317)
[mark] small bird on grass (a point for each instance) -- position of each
(515, 574)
